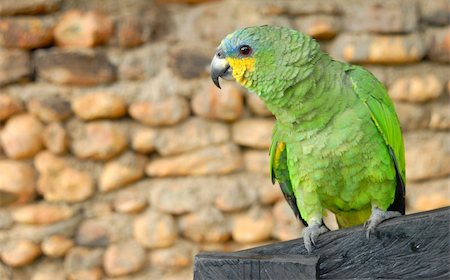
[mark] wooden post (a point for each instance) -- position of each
(409, 247)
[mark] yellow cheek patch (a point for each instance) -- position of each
(240, 66)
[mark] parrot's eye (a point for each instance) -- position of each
(245, 50)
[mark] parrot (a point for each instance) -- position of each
(336, 144)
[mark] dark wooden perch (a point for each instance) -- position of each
(410, 247)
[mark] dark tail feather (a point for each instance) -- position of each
(399, 201)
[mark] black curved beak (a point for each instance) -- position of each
(220, 68)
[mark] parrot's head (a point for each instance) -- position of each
(264, 58)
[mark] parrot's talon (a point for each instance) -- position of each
(311, 234)
(376, 218)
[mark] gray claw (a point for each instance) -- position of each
(311, 234)
(377, 217)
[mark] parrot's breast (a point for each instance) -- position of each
(347, 163)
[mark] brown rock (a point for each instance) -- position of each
(255, 133)
(133, 65)
(15, 66)
(287, 226)
(215, 247)
(257, 106)
(268, 193)
(176, 257)
(381, 16)
(46, 162)
(55, 138)
(283, 213)
(20, 253)
(83, 29)
(130, 204)
(189, 61)
(21, 136)
(427, 156)
(221, 159)
(5, 272)
(226, 104)
(428, 195)
(130, 32)
(93, 232)
(234, 196)
(17, 180)
(66, 184)
(439, 44)
(432, 201)
(155, 230)
(71, 67)
(7, 198)
(99, 140)
(183, 195)
(101, 227)
(255, 225)
(88, 274)
(190, 135)
(440, 117)
(123, 258)
(435, 12)
(321, 27)
(9, 106)
(83, 263)
(168, 111)
(143, 140)
(256, 161)
(412, 116)
(98, 209)
(284, 232)
(392, 49)
(39, 233)
(41, 213)
(206, 225)
(48, 269)
(143, 62)
(184, 1)
(232, 19)
(50, 109)
(26, 32)
(416, 88)
(28, 7)
(307, 7)
(232, 16)
(56, 246)
(6, 221)
(107, 105)
(122, 171)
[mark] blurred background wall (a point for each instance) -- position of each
(120, 159)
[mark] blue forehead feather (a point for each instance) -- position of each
(235, 40)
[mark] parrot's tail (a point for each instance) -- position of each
(352, 218)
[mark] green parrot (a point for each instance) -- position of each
(337, 142)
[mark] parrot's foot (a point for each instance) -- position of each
(376, 218)
(311, 233)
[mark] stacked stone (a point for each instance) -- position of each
(120, 158)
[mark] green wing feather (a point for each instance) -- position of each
(279, 172)
(374, 95)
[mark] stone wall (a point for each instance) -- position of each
(120, 158)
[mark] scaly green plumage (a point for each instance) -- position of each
(337, 143)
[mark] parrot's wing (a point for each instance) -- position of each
(279, 172)
(373, 94)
